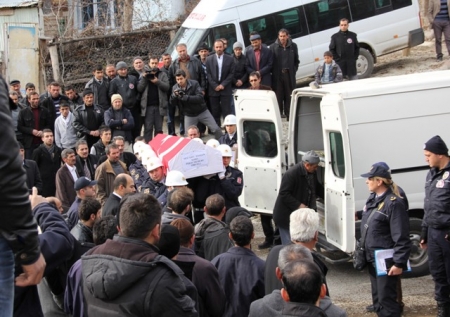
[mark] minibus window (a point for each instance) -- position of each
(325, 15)
(227, 31)
(260, 139)
(337, 154)
(362, 9)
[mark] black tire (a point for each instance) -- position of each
(364, 64)
(418, 257)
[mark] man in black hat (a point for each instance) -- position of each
(14, 85)
(88, 119)
(259, 59)
(85, 188)
(436, 221)
(299, 189)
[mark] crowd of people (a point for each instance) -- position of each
(121, 235)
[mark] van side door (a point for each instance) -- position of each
(339, 192)
(261, 151)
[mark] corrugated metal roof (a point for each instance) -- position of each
(17, 3)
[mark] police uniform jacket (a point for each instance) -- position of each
(231, 186)
(388, 228)
(127, 88)
(225, 139)
(157, 189)
(344, 46)
(437, 199)
(139, 174)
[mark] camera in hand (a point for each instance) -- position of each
(151, 73)
(180, 93)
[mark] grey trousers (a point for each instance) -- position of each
(441, 27)
(153, 122)
(207, 119)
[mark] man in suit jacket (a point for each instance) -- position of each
(85, 163)
(66, 178)
(123, 184)
(259, 59)
(33, 176)
(220, 74)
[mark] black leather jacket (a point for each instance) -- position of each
(17, 224)
(80, 122)
(82, 233)
(25, 124)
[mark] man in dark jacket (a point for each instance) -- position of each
(86, 163)
(436, 222)
(31, 128)
(212, 234)
(33, 175)
(220, 73)
(189, 96)
(66, 178)
(179, 202)
(123, 184)
(89, 211)
(345, 48)
(51, 103)
(56, 244)
(100, 88)
(99, 148)
(153, 86)
(240, 80)
(241, 272)
(85, 188)
(126, 86)
(74, 98)
(48, 159)
(127, 274)
(119, 119)
(191, 66)
(259, 59)
(88, 119)
(302, 290)
(19, 241)
(285, 65)
(204, 275)
(299, 189)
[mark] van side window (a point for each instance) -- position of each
(337, 154)
(268, 26)
(325, 14)
(260, 139)
(362, 9)
(227, 31)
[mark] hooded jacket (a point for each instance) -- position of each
(211, 238)
(127, 277)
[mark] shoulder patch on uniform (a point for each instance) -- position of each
(239, 180)
(393, 198)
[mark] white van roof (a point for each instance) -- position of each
(382, 85)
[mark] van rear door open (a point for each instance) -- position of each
(261, 151)
(339, 193)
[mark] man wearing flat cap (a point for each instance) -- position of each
(88, 119)
(259, 59)
(436, 221)
(299, 189)
(14, 85)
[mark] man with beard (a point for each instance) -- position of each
(86, 163)
(31, 122)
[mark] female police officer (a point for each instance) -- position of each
(388, 228)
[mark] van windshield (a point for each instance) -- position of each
(190, 37)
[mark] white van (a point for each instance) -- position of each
(353, 125)
(383, 26)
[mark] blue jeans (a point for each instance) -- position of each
(285, 236)
(6, 279)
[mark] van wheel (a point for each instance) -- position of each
(364, 64)
(418, 257)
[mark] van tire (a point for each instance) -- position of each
(364, 64)
(418, 257)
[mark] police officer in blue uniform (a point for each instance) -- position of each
(155, 184)
(388, 228)
(436, 222)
